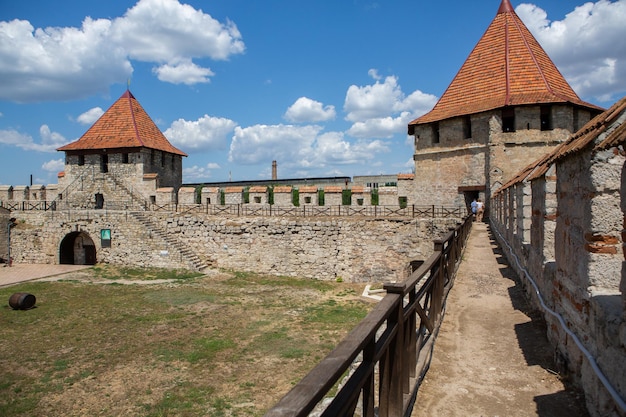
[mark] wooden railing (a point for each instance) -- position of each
(411, 211)
(387, 354)
(41, 205)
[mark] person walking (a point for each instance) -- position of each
(474, 207)
(480, 210)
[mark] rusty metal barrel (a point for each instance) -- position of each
(22, 301)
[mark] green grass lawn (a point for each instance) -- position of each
(228, 344)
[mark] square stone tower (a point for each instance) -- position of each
(507, 106)
(120, 161)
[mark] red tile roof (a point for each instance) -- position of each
(231, 190)
(333, 189)
(282, 189)
(258, 189)
(507, 67)
(124, 125)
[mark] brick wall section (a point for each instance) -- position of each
(186, 195)
(283, 196)
(257, 195)
(21, 193)
(576, 258)
(5, 215)
(308, 195)
(523, 198)
(489, 157)
(38, 237)
(6, 192)
(333, 195)
(361, 196)
(388, 196)
(324, 248)
(165, 196)
(37, 192)
(233, 195)
(210, 195)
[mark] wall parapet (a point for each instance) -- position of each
(561, 225)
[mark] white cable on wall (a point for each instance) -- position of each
(614, 394)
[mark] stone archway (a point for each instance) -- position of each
(77, 248)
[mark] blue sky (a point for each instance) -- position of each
(324, 87)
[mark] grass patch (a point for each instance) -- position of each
(331, 313)
(113, 272)
(230, 345)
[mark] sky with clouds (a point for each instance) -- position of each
(325, 88)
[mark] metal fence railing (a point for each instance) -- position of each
(410, 211)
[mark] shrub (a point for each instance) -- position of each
(295, 197)
(346, 197)
(375, 197)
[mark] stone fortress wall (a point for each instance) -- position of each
(351, 249)
(562, 225)
(122, 193)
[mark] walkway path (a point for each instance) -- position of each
(10, 275)
(492, 357)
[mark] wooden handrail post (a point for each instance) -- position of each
(369, 389)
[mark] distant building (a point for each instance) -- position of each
(375, 181)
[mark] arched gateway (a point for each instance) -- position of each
(77, 248)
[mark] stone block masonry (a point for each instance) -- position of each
(348, 248)
(571, 205)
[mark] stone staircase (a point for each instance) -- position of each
(191, 258)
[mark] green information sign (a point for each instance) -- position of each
(105, 238)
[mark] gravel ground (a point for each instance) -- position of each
(492, 357)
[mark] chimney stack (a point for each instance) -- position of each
(274, 171)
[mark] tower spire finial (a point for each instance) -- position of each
(505, 7)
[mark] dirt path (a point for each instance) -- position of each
(492, 357)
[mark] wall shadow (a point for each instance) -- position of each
(537, 350)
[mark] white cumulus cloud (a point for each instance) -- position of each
(587, 45)
(205, 134)
(58, 63)
(197, 173)
(299, 148)
(381, 110)
(54, 166)
(183, 73)
(166, 30)
(380, 127)
(50, 140)
(261, 143)
(90, 116)
(306, 110)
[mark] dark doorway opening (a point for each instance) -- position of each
(77, 248)
(104, 163)
(99, 201)
(469, 197)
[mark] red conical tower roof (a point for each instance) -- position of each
(507, 67)
(124, 125)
